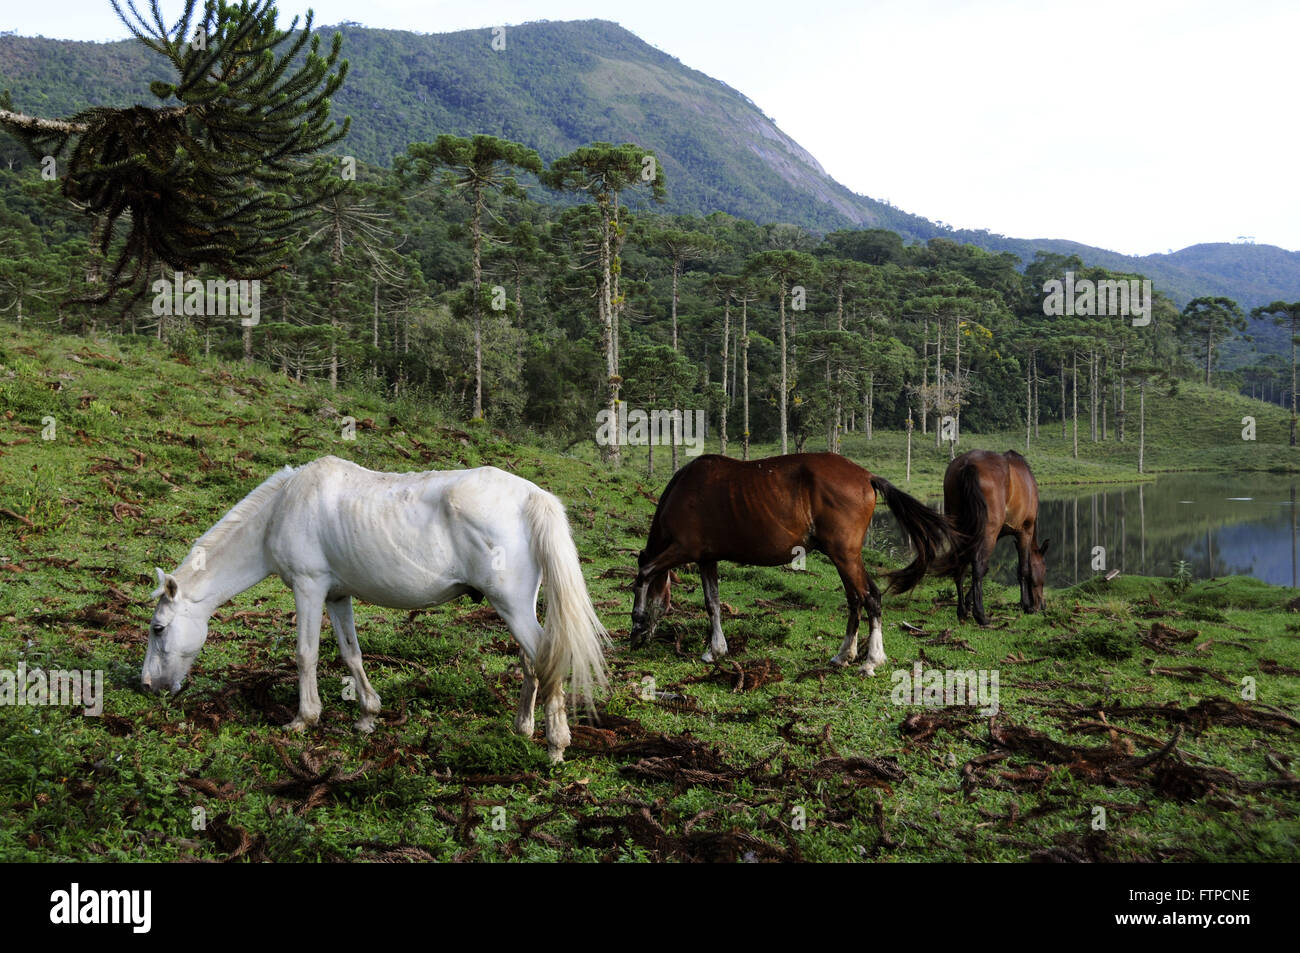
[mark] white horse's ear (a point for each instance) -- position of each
(166, 585)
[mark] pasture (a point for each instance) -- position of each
(1121, 734)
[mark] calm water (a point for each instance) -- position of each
(1219, 524)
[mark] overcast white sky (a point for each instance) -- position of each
(1136, 125)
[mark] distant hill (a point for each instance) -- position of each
(560, 85)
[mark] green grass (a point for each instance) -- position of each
(149, 452)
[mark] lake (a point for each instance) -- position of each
(1219, 524)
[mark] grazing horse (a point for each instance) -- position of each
(990, 495)
(768, 512)
(332, 530)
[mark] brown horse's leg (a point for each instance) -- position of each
(876, 639)
(980, 567)
(853, 592)
(859, 589)
(717, 643)
(1022, 570)
(961, 599)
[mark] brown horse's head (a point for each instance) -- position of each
(651, 599)
(1031, 591)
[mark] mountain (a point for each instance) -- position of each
(559, 85)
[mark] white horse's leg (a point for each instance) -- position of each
(308, 601)
(523, 625)
(557, 727)
(527, 698)
(345, 630)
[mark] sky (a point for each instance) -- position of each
(1140, 126)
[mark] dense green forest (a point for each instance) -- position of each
(556, 86)
(531, 288)
(875, 329)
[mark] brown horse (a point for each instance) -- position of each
(770, 512)
(990, 495)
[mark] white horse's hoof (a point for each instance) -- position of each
(840, 660)
(524, 727)
(869, 667)
(297, 725)
(555, 754)
(365, 724)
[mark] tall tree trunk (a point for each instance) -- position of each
(676, 268)
(374, 334)
(726, 339)
(616, 300)
(1209, 346)
(735, 373)
(605, 306)
(1294, 332)
(1142, 425)
(1103, 412)
(744, 363)
(336, 257)
(938, 385)
(1075, 388)
(1064, 371)
(956, 380)
(1092, 393)
(925, 363)
(1037, 393)
(785, 377)
(1029, 407)
(871, 406)
(1119, 417)
(477, 226)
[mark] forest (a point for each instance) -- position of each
(529, 295)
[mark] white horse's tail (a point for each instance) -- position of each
(573, 640)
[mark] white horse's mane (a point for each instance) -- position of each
(245, 508)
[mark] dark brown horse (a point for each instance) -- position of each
(768, 513)
(990, 495)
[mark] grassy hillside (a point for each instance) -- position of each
(1124, 698)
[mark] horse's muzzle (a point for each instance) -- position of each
(156, 686)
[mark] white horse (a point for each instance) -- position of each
(333, 530)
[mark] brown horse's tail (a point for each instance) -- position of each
(969, 521)
(927, 531)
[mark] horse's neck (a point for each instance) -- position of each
(229, 566)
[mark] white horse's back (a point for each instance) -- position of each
(404, 540)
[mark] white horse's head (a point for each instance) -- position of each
(176, 633)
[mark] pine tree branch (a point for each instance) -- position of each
(35, 124)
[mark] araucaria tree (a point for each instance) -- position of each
(603, 172)
(475, 166)
(224, 170)
(1207, 320)
(1287, 316)
(785, 268)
